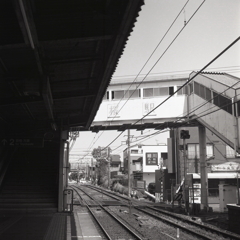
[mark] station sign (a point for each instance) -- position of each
(22, 142)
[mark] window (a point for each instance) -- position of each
(134, 151)
(148, 92)
(117, 94)
(190, 88)
(230, 153)
(155, 92)
(193, 150)
(151, 158)
(182, 91)
(197, 88)
(208, 94)
(202, 91)
(171, 90)
(133, 93)
(163, 91)
(222, 102)
(160, 91)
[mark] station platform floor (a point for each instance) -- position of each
(48, 225)
(33, 225)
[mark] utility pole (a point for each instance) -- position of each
(91, 170)
(129, 165)
(184, 134)
(109, 173)
(203, 167)
(238, 197)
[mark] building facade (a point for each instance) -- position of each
(145, 159)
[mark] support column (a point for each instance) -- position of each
(91, 170)
(62, 172)
(129, 165)
(109, 167)
(203, 166)
(60, 184)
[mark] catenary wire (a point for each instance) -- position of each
(185, 71)
(214, 59)
(235, 41)
(162, 54)
(156, 64)
(151, 56)
(144, 66)
(204, 103)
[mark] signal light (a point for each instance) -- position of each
(184, 134)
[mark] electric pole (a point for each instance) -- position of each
(129, 165)
(109, 173)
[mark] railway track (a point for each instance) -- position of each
(111, 225)
(189, 223)
(151, 221)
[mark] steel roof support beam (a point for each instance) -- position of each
(47, 98)
(30, 37)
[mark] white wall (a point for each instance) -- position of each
(137, 108)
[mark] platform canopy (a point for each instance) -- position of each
(57, 59)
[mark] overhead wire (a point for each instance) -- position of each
(148, 136)
(225, 69)
(198, 107)
(157, 62)
(214, 59)
(163, 52)
(194, 110)
(190, 79)
(144, 67)
(151, 55)
(204, 103)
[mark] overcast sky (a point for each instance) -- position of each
(215, 25)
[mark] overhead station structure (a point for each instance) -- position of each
(56, 63)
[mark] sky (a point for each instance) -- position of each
(197, 36)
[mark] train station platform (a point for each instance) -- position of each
(40, 225)
(34, 225)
